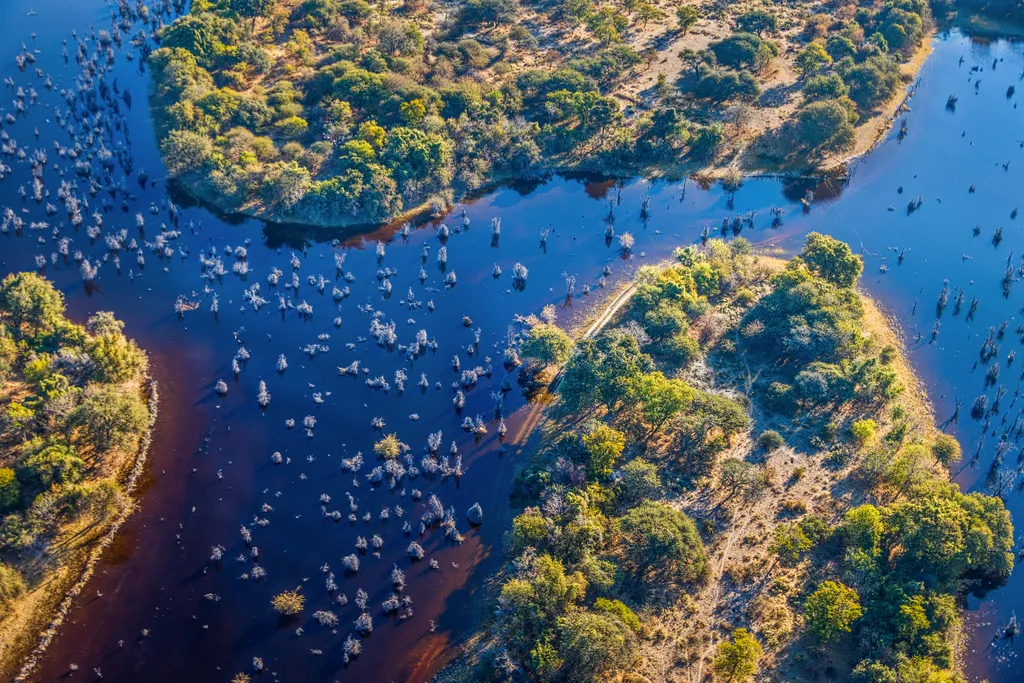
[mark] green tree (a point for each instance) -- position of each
(8, 353)
(872, 82)
(862, 528)
(639, 481)
(832, 259)
(831, 610)
(737, 659)
(687, 16)
(659, 398)
(593, 644)
(251, 9)
(646, 12)
(589, 110)
(826, 126)
(620, 610)
(721, 85)
(117, 359)
(55, 464)
(943, 535)
(604, 446)
(946, 449)
(31, 304)
(813, 59)
(10, 491)
(547, 344)
(737, 475)
(825, 87)
(184, 151)
(757, 21)
(694, 58)
(110, 419)
(744, 50)
(421, 157)
(662, 543)
(839, 47)
(789, 542)
(104, 322)
(530, 605)
(576, 11)
(19, 419)
(770, 440)
(863, 431)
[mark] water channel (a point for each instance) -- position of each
(211, 471)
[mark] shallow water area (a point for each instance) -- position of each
(211, 469)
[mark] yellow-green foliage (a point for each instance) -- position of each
(83, 412)
(289, 602)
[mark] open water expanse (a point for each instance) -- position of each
(212, 468)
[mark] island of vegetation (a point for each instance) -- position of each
(76, 408)
(334, 112)
(741, 478)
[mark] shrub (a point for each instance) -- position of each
(863, 431)
(707, 141)
(604, 446)
(548, 344)
(781, 398)
(825, 87)
(681, 349)
(56, 464)
(662, 542)
(744, 297)
(11, 583)
(946, 449)
(720, 85)
(184, 151)
(832, 259)
(872, 82)
(639, 481)
(292, 126)
(618, 609)
(388, 447)
(10, 490)
(289, 602)
(665, 320)
(744, 50)
(593, 644)
(737, 658)
(826, 126)
(831, 610)
(770, 440)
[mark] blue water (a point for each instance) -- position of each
(158, 575)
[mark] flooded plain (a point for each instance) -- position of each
(160, 609)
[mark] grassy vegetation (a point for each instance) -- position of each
(339, 111)
(769, 495)
(73, 416)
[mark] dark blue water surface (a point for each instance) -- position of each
(211, 470)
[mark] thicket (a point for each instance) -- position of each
(898, 564)
(71, 410)
(334, 110)
(597, 539)
(601, 545)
